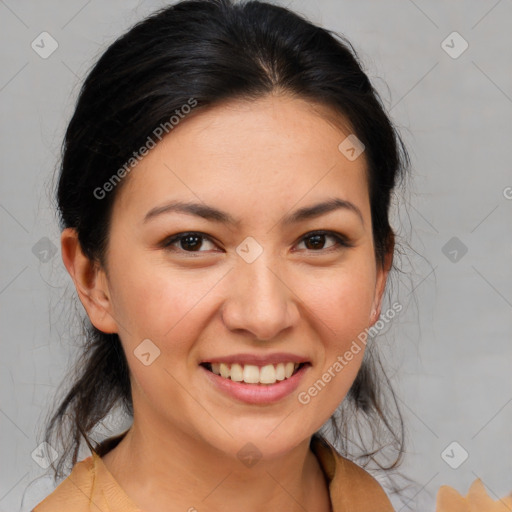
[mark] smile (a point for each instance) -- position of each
(257, 384)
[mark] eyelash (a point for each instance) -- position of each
(341, 241)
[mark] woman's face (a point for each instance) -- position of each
(253, 285)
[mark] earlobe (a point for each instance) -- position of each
(379, 290)
(90, 282)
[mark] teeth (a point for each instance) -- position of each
(237, 373)
(267, 374)
(288, 370)
(280, 372)
(224, 370)
(252, 374)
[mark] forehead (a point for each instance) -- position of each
(273, 152)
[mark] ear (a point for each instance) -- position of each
(90, 282)
(382, 277)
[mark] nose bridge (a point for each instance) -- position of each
(264, 286)
(259, 300)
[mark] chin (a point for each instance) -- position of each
(269, 440)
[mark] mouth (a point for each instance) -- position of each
(254, 374)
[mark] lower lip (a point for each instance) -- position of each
(257, 393)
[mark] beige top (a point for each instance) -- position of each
(91, 487)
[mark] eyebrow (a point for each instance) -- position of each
(213, 214)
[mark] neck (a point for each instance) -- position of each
(178, 472)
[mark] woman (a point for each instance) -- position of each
(224, 197)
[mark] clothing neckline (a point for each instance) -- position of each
(351, 488)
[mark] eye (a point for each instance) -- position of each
(188, 242)
(315, 241)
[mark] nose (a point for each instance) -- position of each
(260, 301)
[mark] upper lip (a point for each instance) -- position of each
(258, 359)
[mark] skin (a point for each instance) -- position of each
(257, 161)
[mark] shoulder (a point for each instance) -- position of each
(89, 486)
(351, 487)
(74, 492)
(361, 480)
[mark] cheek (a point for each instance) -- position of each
(155, 302)
(341, 307)
(168, 309)
(342, 301)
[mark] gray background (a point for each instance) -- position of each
(449, 352)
